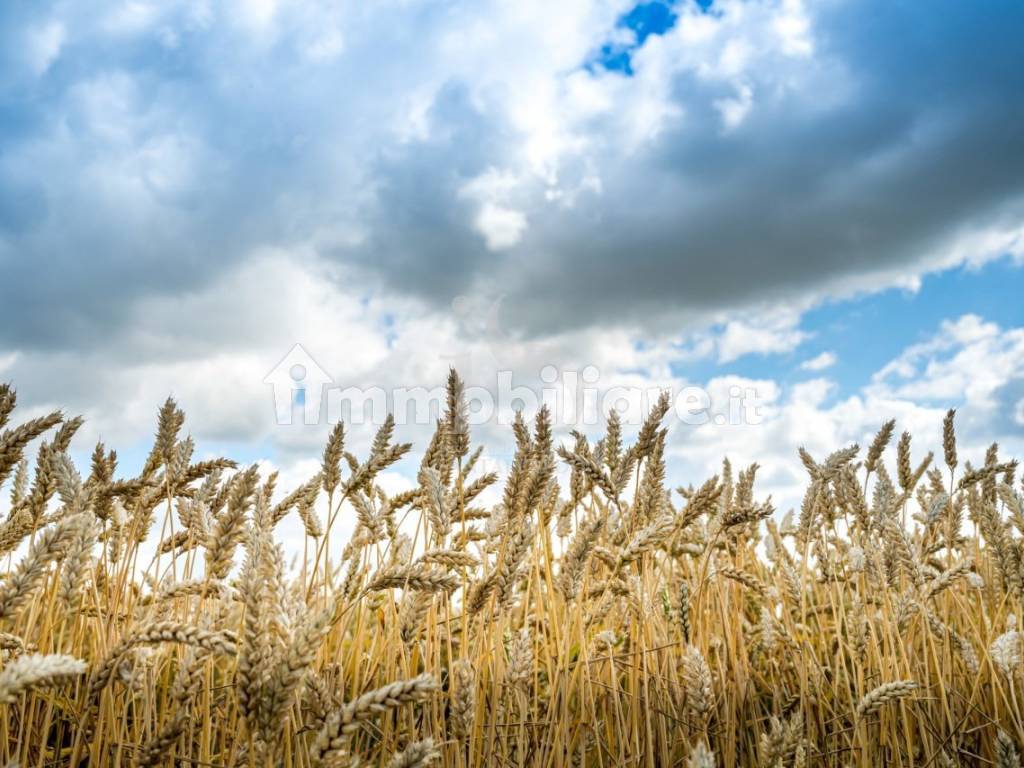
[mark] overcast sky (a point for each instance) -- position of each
(823, 201)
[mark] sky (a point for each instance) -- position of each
(821, 202)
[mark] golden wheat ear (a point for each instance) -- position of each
(603, 623)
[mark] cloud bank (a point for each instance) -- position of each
(663, 191)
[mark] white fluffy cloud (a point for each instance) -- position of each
(970, 364)
(969, 358)
(768, 333)
(44, 44)
(819, 362)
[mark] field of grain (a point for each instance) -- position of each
(611, 622)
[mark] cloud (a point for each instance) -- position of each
(811, 192)
(770, 333)
(760, 153)
(44, 44)
(501, 227)
(819, 362)
(969, 358)
(735, 110)
(188, 189)
(915, 388)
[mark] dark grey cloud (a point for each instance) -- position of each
(929, 144)
(149, 164)
(420, 238)
(144, 164)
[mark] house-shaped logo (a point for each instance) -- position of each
(298, 380)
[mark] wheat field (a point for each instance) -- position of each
(155, 620)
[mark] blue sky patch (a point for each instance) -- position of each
(644, 20)
(869, 331)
